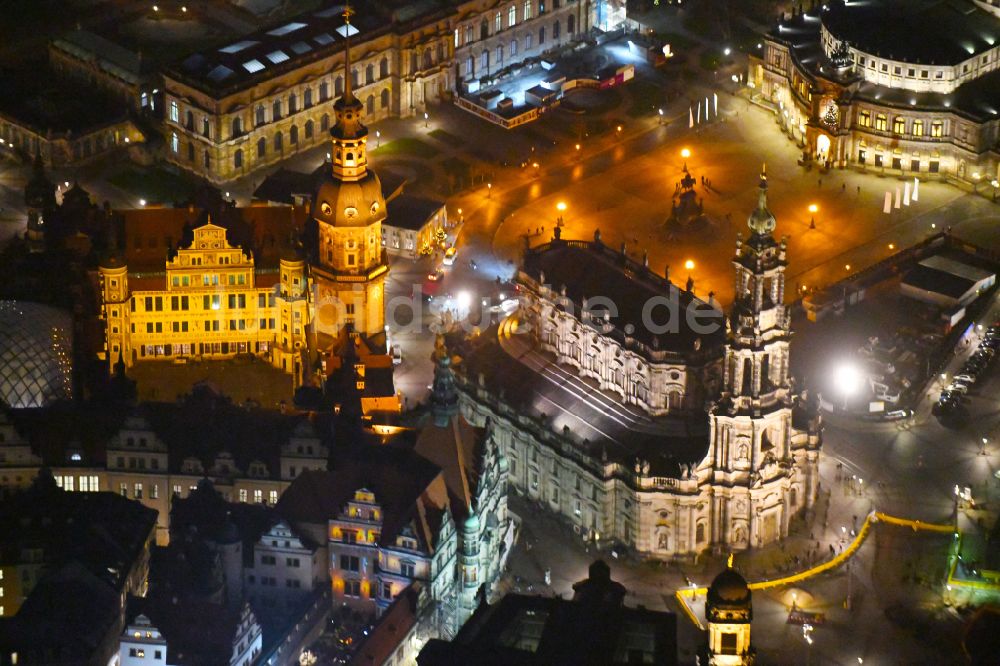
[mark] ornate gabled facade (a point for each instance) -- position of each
(728, 471)
(211, 304)
(475, 471)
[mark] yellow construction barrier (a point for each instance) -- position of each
(874, 517)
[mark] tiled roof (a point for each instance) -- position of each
(410, 490)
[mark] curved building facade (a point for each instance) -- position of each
(36, 352)
(901, 86)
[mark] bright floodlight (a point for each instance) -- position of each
(685, 153)
(561, 206)
(813, 208)
(847, 379)
(463, 299)
(689, 264)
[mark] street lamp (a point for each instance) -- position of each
(378, 138)
(812, 210)
(561, 207)
(661, 115)
(689, 265)
(847, 380)
(425, 119)
(489, 190)
(982, 449)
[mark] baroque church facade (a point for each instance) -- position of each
(677, 479)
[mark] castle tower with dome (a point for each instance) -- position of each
(350, 265)
(728, 612)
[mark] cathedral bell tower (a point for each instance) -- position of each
(350, 265)
(751, 423)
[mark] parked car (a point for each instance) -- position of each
(955, 387)
(964, 379)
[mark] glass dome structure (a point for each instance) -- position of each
(36, 354)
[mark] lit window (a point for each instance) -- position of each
(272, 497)
(527, 9)
(937, 128)
(175, 112)
(511, 16)
(258, 496)
(498, 22)
(898, 125)
(881, 122)
(175, 143)
(918, 128)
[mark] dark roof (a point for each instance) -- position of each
(198, 632)
(978, 99)
(103, 531)
(45, 101)
(588, 270)
(399, 478)
(729, 588)
(667, 443)
(67, 619)
(393, 626)
(937, 281)
(411, 212)
(308, 37)
(205, 511)
(457, 448)
(939, 32)
(284, 185)
(524, 630)
(263, 230)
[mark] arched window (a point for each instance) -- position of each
(793, 498)
(276, 109)
(190, 151)
(293, 135)
(355, 77)
(189, 120)
(278, 142)
(324, 122)
(383, 68)
(413, 63)
(207, 160)
(237, 126)
(307, 98)
(293, 103)
(484, 60)
(484, 29)
(427, 59)
(699, 532)
(570, 25)
(338, 86)
(541, 35)
(369, 74)
(309, 129)
(370, 105)
(261, 147)
(324, 91)
(260, 114)
(555, 30)
(175, 143)
(384, 102)
(440, 52)
(238, 158)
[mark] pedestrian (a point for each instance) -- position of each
(820, 183)
(843, 187)
(859, 189)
